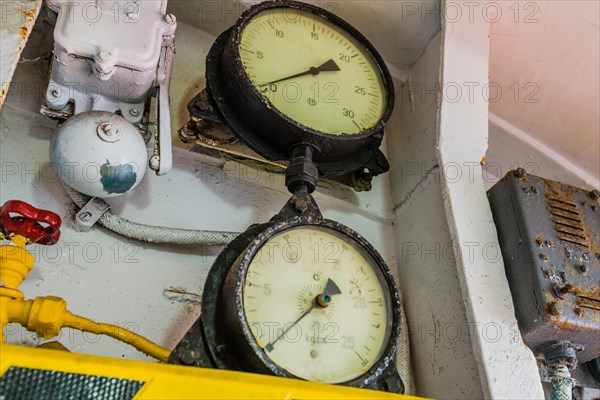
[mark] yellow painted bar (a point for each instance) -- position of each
(165, 381)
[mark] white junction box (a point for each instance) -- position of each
(99, 67)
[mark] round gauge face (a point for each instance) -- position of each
(317, 304)
(313, 71)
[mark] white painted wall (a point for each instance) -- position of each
(544, 56)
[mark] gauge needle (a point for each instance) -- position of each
(327, 66)
(321, 301)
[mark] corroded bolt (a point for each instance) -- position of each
(595, 194)
(519, 172)
(553, 309)
(188, 357)
(300, 205)
(568, 288)
(108, 132)
(108, 129)
(170, 19)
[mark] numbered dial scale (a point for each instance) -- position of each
(290, 73)
(301, 297)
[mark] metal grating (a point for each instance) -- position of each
(568, 221)
(36, 384)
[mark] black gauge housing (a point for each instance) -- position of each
(221, 337)
(234, 101)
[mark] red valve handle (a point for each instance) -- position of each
(27, 224)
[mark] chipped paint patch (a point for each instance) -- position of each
(17, 22)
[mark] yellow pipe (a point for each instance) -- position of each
(122, 334)
(46, 316)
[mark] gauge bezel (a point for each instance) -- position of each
(268, 131)
(234, 286)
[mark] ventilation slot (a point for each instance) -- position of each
(589, 301)
(568, 221)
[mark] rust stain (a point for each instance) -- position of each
(23, 31)
(30, 14)
(482, 162)
(539, 240)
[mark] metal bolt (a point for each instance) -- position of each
(170, 19)
(316, 277)
(220, 350)
(85, 216)
(595, 194)
(188, 357)
(108, 129)
(154, 162)
(55, 93)
(583, 268)
(134, 112)
(556, 292)
(568, 288)
(314, 353)
(553, 309)
(104, 56)
(108, 132)
(519, 172)
(300, 204)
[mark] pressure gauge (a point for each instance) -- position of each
(300, 296)
(289, 73)
(312, 70)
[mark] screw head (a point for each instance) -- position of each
(134, 112)
(595, 194)
(300, 205)
(170, 19)
(554, 309)
(520, 172)
(85, 216)
(104, 56)
(54, 93)
(188, 357)
(108, 132)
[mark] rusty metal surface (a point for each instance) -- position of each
(17, 19)
(550, 238)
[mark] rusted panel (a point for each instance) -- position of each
(550, 236)
(17, 19)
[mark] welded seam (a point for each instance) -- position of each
(418, 189)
